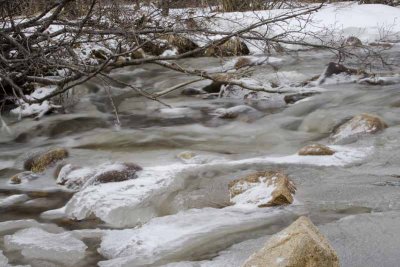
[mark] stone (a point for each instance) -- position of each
(186, 155)
(23, 177)
(359, 125)
(39, 162)
(138, 54)
(299, 245)
(232, 47)
(182, 44)
(76, 177)
(242, 62)
(353, 41)
(99, 54)
(316, 150)
(262, 189)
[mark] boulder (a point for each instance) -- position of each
(39, 162)
(299, 245)
(75, 177)
(353, 41)
(359, 125)
(262, 189)
(182, 44)
(336, 68)
(232, 47)
(138, 54)
(316, 150)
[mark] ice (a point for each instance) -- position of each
(18, 224)
(343, 156)
(183, 235)
(136, 201)
(12, 200)
(129, 202)
(35, 243)
(53, 214)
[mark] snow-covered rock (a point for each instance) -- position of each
(81, 177)
(262, 189)
(13, 200)
(359, 125)
(20, 224)
(35, 243)
(187, 233)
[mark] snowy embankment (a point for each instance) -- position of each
(333, 23)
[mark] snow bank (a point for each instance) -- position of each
(182, 235)
(36, 243)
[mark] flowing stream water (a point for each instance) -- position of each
(152, 135)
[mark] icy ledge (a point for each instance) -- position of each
(136, 201)
(184, 235)
(36, 243)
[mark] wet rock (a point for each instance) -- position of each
(127, 172)
(182, 44)
(154, 48)
(293, 98)
(301, 244)
(192, 91)
(99, 54)
(41, 161)
(262, 189)
(234, 112)
(232, 47)
(359, 125)
(336, 68)
(353, 41)
(316, 150)
(138, 54)
(23, 177)
(242, 62)
(214, 87)
(75, 177)
(186, 155)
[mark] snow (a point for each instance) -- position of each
(129, 202)
(254, 194)
(26, 110)
(181, 235)
(36, 243)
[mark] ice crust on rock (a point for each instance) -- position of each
(19, 224)
(180, 235)
(126, 203)
(35, 243)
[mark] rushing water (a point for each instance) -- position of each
(152, 134)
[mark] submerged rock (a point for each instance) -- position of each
(23, 177)
(316, 150)
(35, 243)
(236, 111)
(41, 161)
(232, 47)
(263, 189)
(359, 125)
(299, 245)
